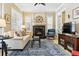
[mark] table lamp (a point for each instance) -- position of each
(23, 26)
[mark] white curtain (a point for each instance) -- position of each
(16, 20)
(28, 23)
(49, 22)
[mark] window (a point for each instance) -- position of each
(28, 23)
(49, 22)
(16, 20)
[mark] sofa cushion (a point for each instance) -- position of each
(15, 43)
(9, 34)
(22, 37)
(18, 38)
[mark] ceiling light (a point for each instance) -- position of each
(39, 4)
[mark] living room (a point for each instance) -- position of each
(22, 23)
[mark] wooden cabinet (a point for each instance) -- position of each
(69, 41)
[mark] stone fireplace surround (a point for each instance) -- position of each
(39, 30)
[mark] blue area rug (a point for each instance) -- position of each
(48, 48)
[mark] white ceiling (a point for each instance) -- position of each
(29, 7)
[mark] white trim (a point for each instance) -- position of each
(60, 7)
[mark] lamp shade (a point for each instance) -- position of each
(2, 23)
(23, 26)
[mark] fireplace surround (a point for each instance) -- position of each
(39, 30)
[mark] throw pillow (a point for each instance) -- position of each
(23, 32)
(18, 33)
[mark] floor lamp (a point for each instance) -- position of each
(2, 26)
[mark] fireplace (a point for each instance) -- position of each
(39, 31)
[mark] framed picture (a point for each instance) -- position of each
(7, 18)
(75, 13)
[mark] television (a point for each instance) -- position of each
(68, 27)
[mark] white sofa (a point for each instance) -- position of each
(17, 43)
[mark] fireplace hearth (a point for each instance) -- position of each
(39, 30)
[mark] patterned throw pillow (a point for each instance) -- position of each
(18, 33)
(23, 32)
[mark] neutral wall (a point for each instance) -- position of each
(68, 8)
(46, 13)
(7, 10)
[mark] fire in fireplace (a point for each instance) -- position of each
(39, 31)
